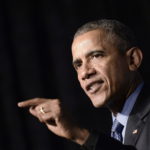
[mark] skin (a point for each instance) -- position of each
(56, 118)
(105, 74)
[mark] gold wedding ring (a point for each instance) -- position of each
(42, 110)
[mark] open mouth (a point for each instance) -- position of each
(93, 87)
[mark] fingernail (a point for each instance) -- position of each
(19, 104)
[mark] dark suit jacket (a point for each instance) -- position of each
(138, 126)
(137, 136)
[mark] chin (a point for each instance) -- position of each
(98, 102)
(99, 99)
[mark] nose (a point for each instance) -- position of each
(87, 72)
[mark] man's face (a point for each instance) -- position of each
(103, 71)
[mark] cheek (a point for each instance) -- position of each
(116, 75)
(111, 73)
(80, 80)
(103, 69)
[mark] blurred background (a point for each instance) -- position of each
(35, 61)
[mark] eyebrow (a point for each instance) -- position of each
(78, 60)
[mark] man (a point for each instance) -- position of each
(107, 60)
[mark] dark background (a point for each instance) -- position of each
(35, 61)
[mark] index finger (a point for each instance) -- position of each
(31, 102)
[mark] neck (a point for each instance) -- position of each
(118, 103)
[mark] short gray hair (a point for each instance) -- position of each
(122, 35)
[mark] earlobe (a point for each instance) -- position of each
(135, 57)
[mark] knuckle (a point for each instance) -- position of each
(37, 109)
(57, 102)
(36, 98)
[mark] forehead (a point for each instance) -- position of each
(92, 40)
(94, 35)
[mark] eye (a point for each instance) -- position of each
(77, 65)
(97, 55)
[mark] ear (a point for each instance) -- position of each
(134, 58)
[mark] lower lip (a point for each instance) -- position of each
(95, 88)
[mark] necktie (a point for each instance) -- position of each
(116, 131)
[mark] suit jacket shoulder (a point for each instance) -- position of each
(137, 135)
(138, 126)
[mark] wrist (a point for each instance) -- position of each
(80, 136)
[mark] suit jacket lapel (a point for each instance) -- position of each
(137, 117)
